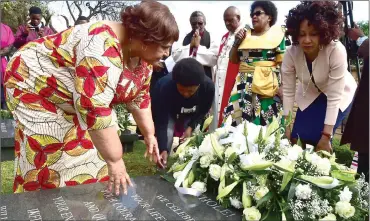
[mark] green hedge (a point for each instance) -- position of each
(343, 153)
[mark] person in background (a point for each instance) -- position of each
(82, 20)
(32, 30)
(6, 43)
(356, 131)
(326, 88)
(232, 23)
(198, 44)
(180, 102)
(62, 89)
(252, 92)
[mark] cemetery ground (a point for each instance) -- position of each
(137, 165)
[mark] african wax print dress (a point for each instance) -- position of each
(57, 88)
(244, 104)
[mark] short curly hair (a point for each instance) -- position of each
(325, 16)
(269, 8)
(150, 22)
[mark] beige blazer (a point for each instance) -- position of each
(331, 77)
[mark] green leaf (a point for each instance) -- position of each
(264, 199)
(286, 179)
(291, 192)
(168, 178)
(232, 158)
(272, 215)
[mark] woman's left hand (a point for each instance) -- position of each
(324, 144)
(152, 149)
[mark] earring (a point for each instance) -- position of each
(321, 47)
(143, 47)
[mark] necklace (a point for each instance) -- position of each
(311, 75)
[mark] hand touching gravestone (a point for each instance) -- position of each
(151, 198)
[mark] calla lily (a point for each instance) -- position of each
(178, 168)
(246, 199)
(191, 177)
(207, 122)
(325, 182)
(348, 176)
(225, 191)
(285, 165)
(218, 149)
(182, 147)
(254, 161)
(185, 184)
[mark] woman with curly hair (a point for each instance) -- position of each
(61, 90)
(326, 88)
(251, 91)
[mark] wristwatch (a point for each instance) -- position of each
(328, 135)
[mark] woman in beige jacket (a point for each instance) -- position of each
(326, 88)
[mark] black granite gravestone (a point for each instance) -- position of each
(151, 198)
(7, 132)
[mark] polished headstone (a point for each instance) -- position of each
(7, 132)
(151, 198)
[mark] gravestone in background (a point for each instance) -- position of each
(152, 198)
(7, 132)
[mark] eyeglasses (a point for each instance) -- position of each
(197, 23)
(257, 13)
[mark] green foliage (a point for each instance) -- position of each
(364, 26)
(5, 114)
(15, 13)
(123, 116)
(343, 153)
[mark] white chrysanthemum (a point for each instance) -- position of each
(252, 214)
(192, 151)
(344, 209)
(323, 165)
(261, 192)
(251, 159)
(199, 186)
(329, 217)
(345, 195)
(176, 174)
(215, 171)
(205, 161)
(303, 192)
(235, 202)
(294, 152)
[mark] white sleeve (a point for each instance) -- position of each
(207, 57)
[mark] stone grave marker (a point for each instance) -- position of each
(151, 198)
(7, 132)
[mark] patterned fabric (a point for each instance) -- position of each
(57, 88)
(243, 103)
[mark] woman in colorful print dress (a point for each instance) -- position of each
(259, 54)
(61, 90)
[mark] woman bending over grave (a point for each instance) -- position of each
(61, 90)
(325, 88)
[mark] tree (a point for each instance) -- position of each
(364, 26)
(15, 13)
(109, 10)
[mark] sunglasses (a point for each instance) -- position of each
(257, 13)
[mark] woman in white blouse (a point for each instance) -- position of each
(325, 89)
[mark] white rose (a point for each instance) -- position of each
(176, 174)
(329, 217)
(199, 186)
(344, 209)
(205, 161)
(215, 171)
(345, 195)
(284, 143)
(236, 203)
(303, 192)
(261, 192)
(252, 214)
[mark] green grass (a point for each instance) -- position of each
(7, 176)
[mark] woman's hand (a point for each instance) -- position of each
(239, 37)
(324, 144)
(152, 150)
(118, 176)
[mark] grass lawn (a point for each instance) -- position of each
(135, 163)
